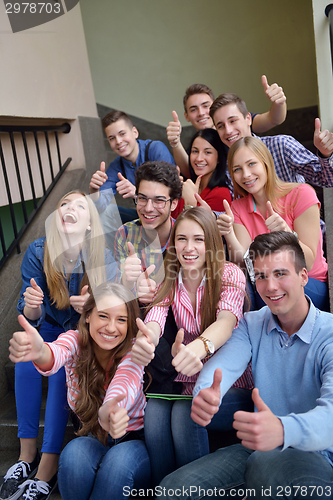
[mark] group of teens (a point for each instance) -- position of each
(79, 305)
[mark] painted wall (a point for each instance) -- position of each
(144, 54)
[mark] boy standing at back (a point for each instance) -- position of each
(120, 175)
(197, 101)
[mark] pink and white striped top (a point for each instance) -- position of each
(231, 299)
(127, 380)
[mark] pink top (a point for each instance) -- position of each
(291, 206)
(231, 299)
(127, 379)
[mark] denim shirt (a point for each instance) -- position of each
(33, 267)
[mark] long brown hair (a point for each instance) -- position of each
(275, 188)
(91, 376)
(93, 253)
(215, 259)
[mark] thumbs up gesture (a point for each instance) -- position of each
(185, 359)
(189, 190)
(113, 418)
(33, 295)
(274, 92)
(132, 267)
(78, 301)
(207, 402)
(146, 286)
(274, 221)
(143, 350)
(124, 187)
(262, 430)
(98, 179)
(225, 221)
(27, 345)
(174, 130)
(323, 140)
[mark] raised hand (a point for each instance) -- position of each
(145, 286)
(274, 92)
(262, 430)
(207, 402)
(143, 350)
(225, 221)
(190, 189)
(174, 130)
(185, 359)
(98, 179)
(33, 295)
(203, 204)
(25, 345)
(124, 187)
(78, 301)
(274, 221)
(323, 140)
(113, 418)
(132, 266)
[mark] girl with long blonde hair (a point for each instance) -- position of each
(59, 273)
(268, 204)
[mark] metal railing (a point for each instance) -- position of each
(40, 153)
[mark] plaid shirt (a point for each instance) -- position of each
(148, 252)
(294, 163)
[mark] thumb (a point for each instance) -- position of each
(25, 324)
(227, 208)
(317, 126)
(179, 339)
(120, 176)
(102, 167)
(264, 82)
(175, 116)
(84, 289)
(217, 379)
(270, 210)
(198, 181)
(259, 403)
(117, 400)
(149, 270)
(131, 248)
(143, 329)
(34, 285)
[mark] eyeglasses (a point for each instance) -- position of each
(141, 201)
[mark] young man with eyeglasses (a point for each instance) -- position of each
(140, 245)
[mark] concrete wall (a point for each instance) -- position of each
(143, 55)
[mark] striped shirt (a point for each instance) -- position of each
(127, 379)
(231, 299)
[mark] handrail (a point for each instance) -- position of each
(43, 168)
(329, 14)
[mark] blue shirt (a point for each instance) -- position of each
(294, 375)
(33, 267)
(157, 152)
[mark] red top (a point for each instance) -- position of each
(214, 197)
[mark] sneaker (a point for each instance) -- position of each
(16, 475)
(35, 489)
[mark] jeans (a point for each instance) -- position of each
(173, 439)
(236, 471)
(90, 470)
(28, 394)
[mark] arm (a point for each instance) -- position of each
(173, 133)
(236, 235)
(102, 186)
(29, 346)
(278, 111)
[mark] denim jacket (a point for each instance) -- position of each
(33, 267)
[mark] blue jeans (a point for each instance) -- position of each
(90, 470)
(173, 439)
(236, 471)
(28, 394)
